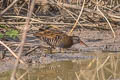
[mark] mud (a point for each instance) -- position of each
(97, 41)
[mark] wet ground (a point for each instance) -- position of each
(99, 43)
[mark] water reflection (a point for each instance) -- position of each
(101, 67)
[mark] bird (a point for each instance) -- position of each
(56, 38)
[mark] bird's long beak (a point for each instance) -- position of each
(82, 43)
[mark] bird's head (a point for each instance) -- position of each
(76, 40)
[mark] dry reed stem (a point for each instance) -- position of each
(94, 75)
(32, 19)
(58, 77)
(14, 1)
(23, 39)
(90, 64)
(77, 76)
(77, 18)
(83, 74)
(14, 54)
(107, 69)
(103, 74)
(107, 22)
(21, 77)
(71, 14)
(19, 9)
(116, 65)
(87, 9)
(97, 75)
(99, 67)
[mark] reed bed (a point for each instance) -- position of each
(28, 16)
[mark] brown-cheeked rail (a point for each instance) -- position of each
(56, 38)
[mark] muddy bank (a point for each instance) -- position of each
(97, 41)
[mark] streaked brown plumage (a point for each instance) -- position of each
(57, 38)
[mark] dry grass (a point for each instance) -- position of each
(106, 67)
(87, 13)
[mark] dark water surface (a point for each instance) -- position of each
(105, 66)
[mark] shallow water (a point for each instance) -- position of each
(105, 66)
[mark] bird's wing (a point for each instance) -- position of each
(49, 34)
(51, 37)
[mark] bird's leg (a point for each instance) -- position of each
(62, 50)
(49, 50)
(58, 50)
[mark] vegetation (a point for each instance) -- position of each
(7, 32)
(21, 18)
